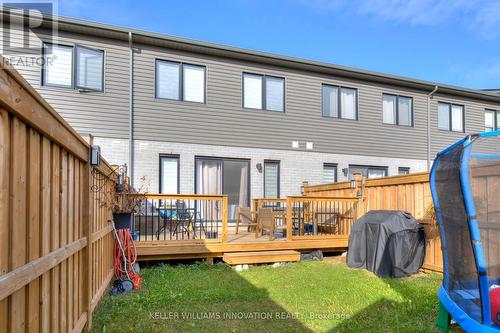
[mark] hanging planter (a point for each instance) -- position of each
(123, 220)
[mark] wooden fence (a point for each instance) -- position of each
(410, 193)
(55, 242)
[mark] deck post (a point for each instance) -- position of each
(224, 219)
(289, 207)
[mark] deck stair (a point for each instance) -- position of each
(260, 257)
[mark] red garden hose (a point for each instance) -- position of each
(125, 257)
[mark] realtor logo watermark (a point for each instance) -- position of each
(23, 25)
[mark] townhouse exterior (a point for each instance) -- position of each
(195, 117)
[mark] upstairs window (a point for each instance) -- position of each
(58, 65)
(263, 92)
(451, 117)
(178, 81)
(339, 102)
(59, 68)
(89, 68)
(397, 110)
(491, 120)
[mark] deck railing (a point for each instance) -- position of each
(182, 217)
(275, 204)
(194, 218)
(313, 217)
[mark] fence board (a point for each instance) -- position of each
(4, 209)
(46, 218)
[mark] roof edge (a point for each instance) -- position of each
(145, 37)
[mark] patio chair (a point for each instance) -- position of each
(266, 220)
(244, 217)
(183, 220)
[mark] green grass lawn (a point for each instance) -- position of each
(301, 297)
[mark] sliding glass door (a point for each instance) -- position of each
(224, 176)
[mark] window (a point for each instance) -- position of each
(451, 117)
(368, 171)
(339, 102)
(329, 173)
(263, 92)
(491, 120)
(180, 81)
(271, 179)
(397, 110)
(403, 171)
(169, 174)
(59, 67)
(89, 67)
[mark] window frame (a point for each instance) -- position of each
(161, 157)
(181, 81)
(368, 167)
(339, 102)
(75, 65)
(396, 118)
(331, 165)
(495, 119)
(450, 117)
(405, 170)
(279, 178)
(42, 81)
(263, 93)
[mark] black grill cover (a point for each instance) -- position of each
(389, 243)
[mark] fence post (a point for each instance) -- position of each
(289, 207)
(87, 208)
(224, 218)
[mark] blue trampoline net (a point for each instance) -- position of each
(461, 278)
(460, 273)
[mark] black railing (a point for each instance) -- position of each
(180, 217)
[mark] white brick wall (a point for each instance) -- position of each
(295, 166)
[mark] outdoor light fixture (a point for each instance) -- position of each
(259, 167)
(345, 171)
(353, 183)
(95, 155)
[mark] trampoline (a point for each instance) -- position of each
(465, 186)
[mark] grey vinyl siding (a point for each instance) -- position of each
(222, 120)
(99, 113)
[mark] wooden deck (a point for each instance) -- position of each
(197, 226)
(191, 249)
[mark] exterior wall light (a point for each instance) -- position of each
(95, 155)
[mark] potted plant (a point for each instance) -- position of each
(126, 202)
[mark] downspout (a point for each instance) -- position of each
(131, 111)
(429, 96)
